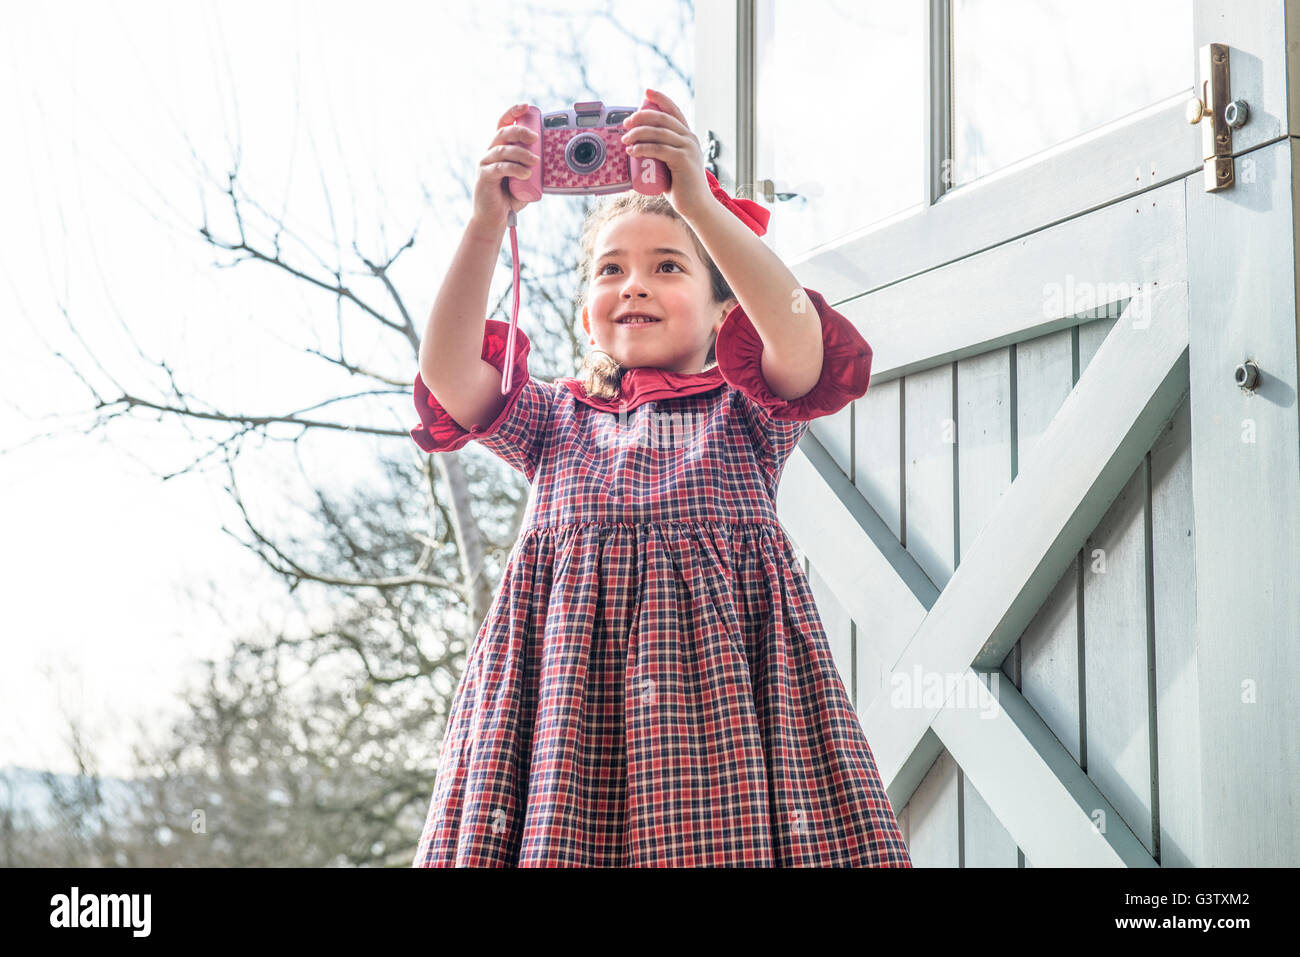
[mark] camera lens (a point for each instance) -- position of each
(585, 152)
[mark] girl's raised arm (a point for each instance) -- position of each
(451, 362)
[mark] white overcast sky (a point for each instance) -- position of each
(112, 582)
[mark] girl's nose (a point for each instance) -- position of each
(633, 284)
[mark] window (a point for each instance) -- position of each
(1029, 74)
(840, 115)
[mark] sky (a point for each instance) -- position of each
(122, 121)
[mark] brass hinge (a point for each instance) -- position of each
(1224, 113)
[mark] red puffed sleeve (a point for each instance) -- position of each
(777, 425)
(518, 433)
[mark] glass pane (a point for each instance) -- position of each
(840, 115)
(1029, 74)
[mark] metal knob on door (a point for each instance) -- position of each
(1235, 114)
(768, 188)
(809, 190)
(1246, 376)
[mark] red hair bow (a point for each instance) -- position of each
(752, 214)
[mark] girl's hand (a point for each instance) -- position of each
(507, 155)
(663, 134)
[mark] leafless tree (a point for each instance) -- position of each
(320, 748)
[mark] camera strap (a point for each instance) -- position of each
(507, 376)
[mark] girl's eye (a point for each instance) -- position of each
(666, 262)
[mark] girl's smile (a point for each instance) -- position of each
(637, 321)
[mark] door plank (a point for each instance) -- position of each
(1173, 553)
(1245, 462)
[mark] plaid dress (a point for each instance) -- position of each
(652, 685)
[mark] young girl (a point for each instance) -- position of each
(652, 684)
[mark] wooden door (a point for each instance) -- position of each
(1056, 545)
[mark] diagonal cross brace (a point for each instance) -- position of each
(1095, 442)
(1107, 423)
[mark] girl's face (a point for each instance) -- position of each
(646, 263)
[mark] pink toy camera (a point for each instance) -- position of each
(582, 152)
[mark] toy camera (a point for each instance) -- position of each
(582, 152)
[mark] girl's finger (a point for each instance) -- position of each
(519, 154)
(667, 105)
(514, 134)
(517, 170)
(510, 115)
(654, 134)
(655, 118)
(654, 150)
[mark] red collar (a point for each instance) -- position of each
(647, 384)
